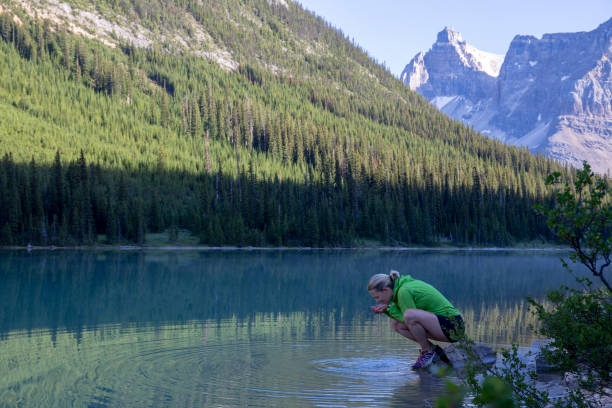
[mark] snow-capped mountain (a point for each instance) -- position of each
(552, 95)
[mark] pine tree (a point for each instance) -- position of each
(374, 162)
(165, 114)
(196, 120)
(67, 50)
(36, 204)
(57, 189)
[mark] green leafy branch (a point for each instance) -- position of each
(579, 323)
(582, 217)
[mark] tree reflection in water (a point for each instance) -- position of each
(229, 327)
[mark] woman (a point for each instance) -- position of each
(418, 311)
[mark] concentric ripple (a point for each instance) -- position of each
(383, 367)
(211, 364)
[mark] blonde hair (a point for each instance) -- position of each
(380, 281)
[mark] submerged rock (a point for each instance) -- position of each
(541, 365)
(458, 354)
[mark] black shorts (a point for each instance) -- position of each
(452, 327)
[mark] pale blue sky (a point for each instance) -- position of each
(394, 30)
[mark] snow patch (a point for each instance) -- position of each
(539, 117)
(441, 101)
(536, 137)
(487, 62)
(478, 116)
(415, 74)
(533, 63)
(564, 77)
(469, 55)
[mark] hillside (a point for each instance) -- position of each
(247, 123)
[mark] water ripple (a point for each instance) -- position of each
(204, 364)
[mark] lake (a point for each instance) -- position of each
(240, 328)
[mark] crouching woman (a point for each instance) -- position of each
(418, 312)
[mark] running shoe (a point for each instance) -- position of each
(426, 358)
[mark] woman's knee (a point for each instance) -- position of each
(397, 326)
(394, 324)
(411, 316)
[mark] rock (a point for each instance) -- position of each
(570, 380)
(458, 356)
(541, 365)
(549, 379)
(552, 95)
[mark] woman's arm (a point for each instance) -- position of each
(394, 312)
(379, 308)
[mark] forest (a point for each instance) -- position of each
(105, 144)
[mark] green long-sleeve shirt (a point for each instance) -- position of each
(410, 293)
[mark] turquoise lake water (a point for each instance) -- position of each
(253, 328)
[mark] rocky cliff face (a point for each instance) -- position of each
(453, 67)
(553, 95)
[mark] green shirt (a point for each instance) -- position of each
(409, 293)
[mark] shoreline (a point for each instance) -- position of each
(251, 248)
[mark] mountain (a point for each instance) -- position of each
(552, 95)
(235, 122)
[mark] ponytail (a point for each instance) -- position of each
(380, 281)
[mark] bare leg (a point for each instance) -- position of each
(420, 335)
(423, 326)
(402, 329)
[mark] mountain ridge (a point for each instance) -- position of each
(552, 94)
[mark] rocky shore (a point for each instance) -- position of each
(555, 383)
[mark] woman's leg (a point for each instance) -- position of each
(423, 326)
(402, 329)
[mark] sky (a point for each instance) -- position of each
(394, 31)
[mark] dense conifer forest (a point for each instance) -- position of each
(309, 142)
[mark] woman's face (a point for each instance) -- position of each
(382, 296)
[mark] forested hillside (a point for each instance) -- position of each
(305, 141)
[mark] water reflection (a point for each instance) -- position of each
(74, 290)
(238, 328)
(270, 362)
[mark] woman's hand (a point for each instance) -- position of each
(379, 308)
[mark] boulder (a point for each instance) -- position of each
(458, 355)
(541, 365)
